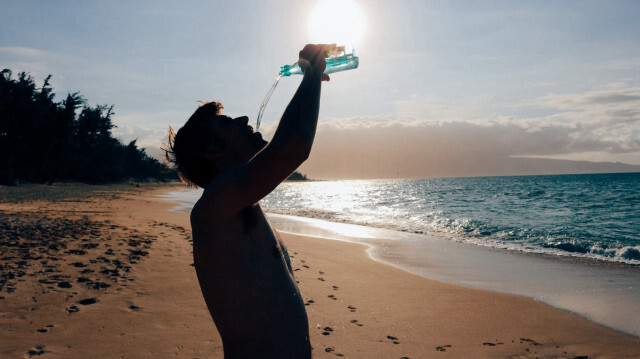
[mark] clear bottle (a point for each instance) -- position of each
(338, 61)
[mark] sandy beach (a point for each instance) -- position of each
(106, 272)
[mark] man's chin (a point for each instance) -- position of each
(260, 142)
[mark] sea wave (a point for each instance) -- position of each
(476, 233)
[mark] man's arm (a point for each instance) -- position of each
(245, 184)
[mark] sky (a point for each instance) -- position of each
(444, 88)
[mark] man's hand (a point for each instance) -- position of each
(312, 58)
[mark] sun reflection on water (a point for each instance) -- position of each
(336, 201)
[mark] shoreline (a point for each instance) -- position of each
(585, 287)
(357, 307)
(590, 258)
(185, 198)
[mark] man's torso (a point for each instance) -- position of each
(248, 285)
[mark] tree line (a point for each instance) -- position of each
(42, 140)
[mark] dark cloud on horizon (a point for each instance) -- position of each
(374, 149)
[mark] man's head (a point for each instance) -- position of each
(209, 143)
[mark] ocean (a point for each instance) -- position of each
(572, 241)
(595, 215)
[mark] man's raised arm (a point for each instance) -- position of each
(245, 184)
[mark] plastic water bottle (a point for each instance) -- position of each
(338, 61)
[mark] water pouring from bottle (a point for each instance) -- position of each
(331, 21)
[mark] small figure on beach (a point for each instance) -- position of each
(242, 265)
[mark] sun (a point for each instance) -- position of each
(336, 21)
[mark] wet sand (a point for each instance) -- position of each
(603, 292)
(106, 272)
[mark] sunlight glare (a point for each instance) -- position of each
(336, 21)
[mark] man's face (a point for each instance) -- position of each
(237, 138)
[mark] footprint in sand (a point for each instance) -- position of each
(64, 285)
(335, 287)
(332, 296)
(489, 344)
(79, 252)
(393, 339)
(321, 279)
(327, 331)
(351, 309)
(355, 321)
(331, 350)
(310, 301)
(87, 301)
(530, 341)
(45, 329)
(443, 348)
(38, 350)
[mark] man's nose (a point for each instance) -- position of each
(244, 120)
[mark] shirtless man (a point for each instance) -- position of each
(242, 265)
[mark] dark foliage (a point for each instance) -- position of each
(42, 140)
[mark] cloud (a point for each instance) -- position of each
(624, 64)
(593, 99)
(442, 140)
(432, 139)
(20, 51)
(607, 120)
(37, 63)
(444, 149)
(149, 130)
(148, 138)
(611, 116)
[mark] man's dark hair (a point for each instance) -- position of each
(185, 149)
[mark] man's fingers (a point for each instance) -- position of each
(313, 50)
(329, 49)
(313, 55)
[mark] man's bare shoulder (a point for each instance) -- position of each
(210, 210)
(210, 215)
(215, 203)
(211, 229)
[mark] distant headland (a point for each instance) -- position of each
(297, 176)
